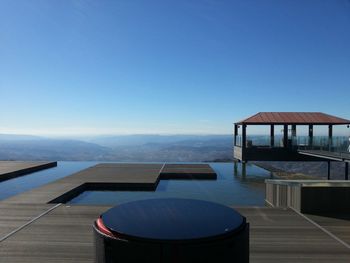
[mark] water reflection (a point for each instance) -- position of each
(235, 185)
(27, 182)
(255, 173)
(232, 187)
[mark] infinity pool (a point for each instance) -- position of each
(230, 188)
(27, 182)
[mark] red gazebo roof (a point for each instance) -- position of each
(300, 118)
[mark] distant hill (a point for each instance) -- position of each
(144, 148)
(133, 148)
(23, 148)
(139, 139)
(15, 137)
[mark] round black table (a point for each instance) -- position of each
(171, 230)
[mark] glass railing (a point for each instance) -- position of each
(238, 141)
(324, 143)
(259, 141)
(278, 141)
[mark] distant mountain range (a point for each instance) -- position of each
(126, 148)
(144, 148)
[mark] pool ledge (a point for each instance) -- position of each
(113, 176)
(13, 169)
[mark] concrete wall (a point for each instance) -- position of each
(325, 199)
(305, 196)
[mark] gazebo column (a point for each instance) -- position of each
(235, 133)
(285, 136)
(244, 146)
(311, 135)
(244, 143)
(294, 135)
(330, 137)
(244, 136)
(272, 135)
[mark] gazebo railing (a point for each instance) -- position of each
(323, 143)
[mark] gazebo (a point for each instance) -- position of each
(287, 145)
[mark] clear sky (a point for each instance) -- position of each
(111, 67)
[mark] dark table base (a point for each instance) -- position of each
(233, 248)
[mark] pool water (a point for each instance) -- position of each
(230, 188)
(30, 181)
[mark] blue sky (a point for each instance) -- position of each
(173, 67)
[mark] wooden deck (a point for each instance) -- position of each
(13, 216)
(31, 230)
(338, 224)
(65, 235)
(12, 169)
(188, 171)
(279, 235)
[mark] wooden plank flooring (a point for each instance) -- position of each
(12, 169)
(64, 234)
(338, 224)
(276, 235)
(13, 216)
(188, 171)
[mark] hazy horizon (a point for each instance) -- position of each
(344, 132)
(57, 135)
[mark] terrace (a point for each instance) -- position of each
(37, 226)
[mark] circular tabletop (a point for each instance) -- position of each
(172, 219)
